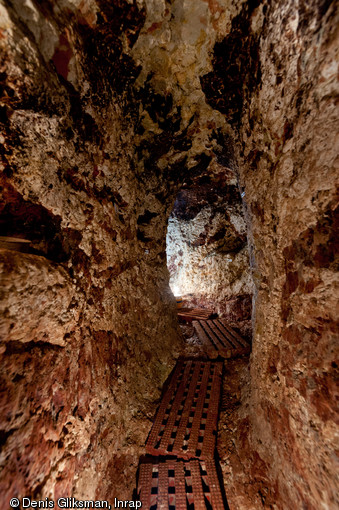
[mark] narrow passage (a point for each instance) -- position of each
(180, 469)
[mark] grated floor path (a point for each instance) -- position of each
(220, 339)
(177, 484)
(180, 472)
(186, 421)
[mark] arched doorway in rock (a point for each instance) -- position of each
(206, 244)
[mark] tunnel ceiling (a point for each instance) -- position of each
(158, 59)
(182, 121)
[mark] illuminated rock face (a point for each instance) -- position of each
(111, 111)
(207, 252)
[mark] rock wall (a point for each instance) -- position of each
(108, 108)
(207, 252)
(88, 328)
(276, 80)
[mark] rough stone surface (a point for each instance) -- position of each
(30, 319)
(287, 149)
(108, 109)
(88, 324)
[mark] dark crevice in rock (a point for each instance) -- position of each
(109, 69)
(82, 123)
(224, 151)
(4, 435)
(143, 237)
(40, 346)
(146, 218)
(20, 218)
(215, 192)
(160, 108)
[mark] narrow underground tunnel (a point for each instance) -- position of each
(156, 145)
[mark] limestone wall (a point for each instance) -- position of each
(88, 329)
(286, 89)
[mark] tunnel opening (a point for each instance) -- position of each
(206, 245)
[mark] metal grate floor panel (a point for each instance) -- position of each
(174, 484)
(186, 421)
(190, 314)
(220, 339)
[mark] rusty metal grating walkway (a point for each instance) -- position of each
(220, 339)
(179, 472)
(177, 484)
(186, 421)
(189, 314)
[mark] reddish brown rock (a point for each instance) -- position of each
(78, 383)
(108, 110)
(288, 168)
